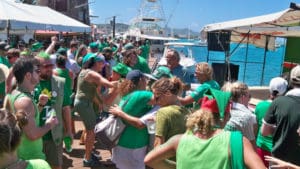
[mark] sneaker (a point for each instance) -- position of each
(91, 163)
(96, 154)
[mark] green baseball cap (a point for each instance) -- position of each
(93, 45)
(43, 55)
(98, 58)
(162, 71)
(36, 46)
(121, 69)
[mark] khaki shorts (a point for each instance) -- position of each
(53, 152)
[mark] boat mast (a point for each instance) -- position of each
(151, 18)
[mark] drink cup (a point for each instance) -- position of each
(151, 126)
(68, 144)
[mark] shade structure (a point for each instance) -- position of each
(19, 16)
(284, 23)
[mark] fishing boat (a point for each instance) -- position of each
(150, 24)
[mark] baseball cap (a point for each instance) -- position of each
(136, 75)
(3, 46)
(121, 69)
(62, 51)
(36, 46)
(107, 50)
(295, 75)
(162, 71)
(98, 58)
(128, 46)
(93, 45)
(278, 84)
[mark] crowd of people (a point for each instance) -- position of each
(43, 86)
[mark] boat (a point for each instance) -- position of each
(150, 23)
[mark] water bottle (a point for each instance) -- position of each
(68, 144)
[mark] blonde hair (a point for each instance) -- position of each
(174, 85)
(202, 120)
(204, 69)
(238, 89)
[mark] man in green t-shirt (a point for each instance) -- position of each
(58, 104)
(26, 73)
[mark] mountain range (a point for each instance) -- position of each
(177, 32)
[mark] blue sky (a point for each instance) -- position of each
(193, 14)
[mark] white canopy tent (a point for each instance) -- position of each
(285, 23)
(19, 16)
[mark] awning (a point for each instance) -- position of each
(19, 16)
(285, 23)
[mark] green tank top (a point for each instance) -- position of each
(85, 90)
(68, 81)
(195, 153)
(28, 149)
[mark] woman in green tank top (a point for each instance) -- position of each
(10, 137)
(87, 99)
(205, 146)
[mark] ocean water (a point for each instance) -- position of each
(251, 69)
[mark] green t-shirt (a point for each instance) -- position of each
(170, 120)
(193, 152)
(4, 61)
(200, 91)
(45, 87)
(264, 142)
(136, 106)
(37, 164)
(68, 81)
(142, 65)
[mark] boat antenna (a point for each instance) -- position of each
(171, 14)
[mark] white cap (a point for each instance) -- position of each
(278, 84)
(295, 75)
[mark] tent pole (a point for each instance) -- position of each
(265, 55)
(246, 58)
(7, 31)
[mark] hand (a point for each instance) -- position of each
(277, 163)
(115, 110)
(54, 39)
(43, 99)
(52, 121)
(115, 84)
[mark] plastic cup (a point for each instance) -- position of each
(68, 144)
(151, 127)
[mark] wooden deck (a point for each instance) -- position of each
(74, 159)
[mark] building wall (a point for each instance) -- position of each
(71, 8)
